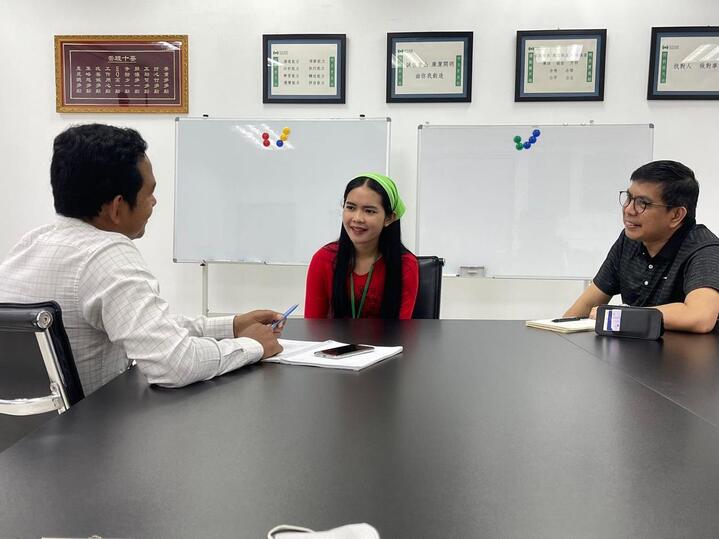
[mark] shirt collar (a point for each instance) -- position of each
(63, 221)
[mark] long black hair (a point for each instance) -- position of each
(391, 249)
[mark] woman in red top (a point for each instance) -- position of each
(368, 273)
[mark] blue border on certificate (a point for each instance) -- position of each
(339, 40)
(313, 97)
(465, 68)
(657, 64)
(599, 52)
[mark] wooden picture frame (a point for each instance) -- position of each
(121, 73)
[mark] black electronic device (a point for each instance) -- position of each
(634, 322)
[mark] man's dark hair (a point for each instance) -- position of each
(91, 165)
(679, 186)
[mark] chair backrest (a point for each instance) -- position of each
(429, 294)
(35, 356)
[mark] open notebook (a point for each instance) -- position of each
(586, 324)
(302, 353)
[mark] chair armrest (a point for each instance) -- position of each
(37, 405)
(29, 319)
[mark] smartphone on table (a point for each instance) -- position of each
(346, 350)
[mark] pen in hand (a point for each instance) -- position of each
(284, 316)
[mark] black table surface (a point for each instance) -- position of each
(682, 367)
(479, 429)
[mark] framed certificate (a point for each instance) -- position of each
(121, 73)
(684, 63)
(304, 68)
(560, 65)
(425, 67)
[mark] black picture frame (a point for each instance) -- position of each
(597, 94)
(464, 96)
(270, 68)
(659, 57)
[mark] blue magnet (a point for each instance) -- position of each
(536, 133)
(532, 139)
(280, 144)
(527, 145)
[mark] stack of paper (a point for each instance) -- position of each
(303, 353)
(574, 326)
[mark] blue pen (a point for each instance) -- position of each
(285, 315)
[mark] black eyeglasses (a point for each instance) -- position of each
(626, 198)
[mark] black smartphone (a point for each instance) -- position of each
(346, 350)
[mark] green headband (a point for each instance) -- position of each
(398, 207)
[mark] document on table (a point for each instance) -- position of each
(574, 326)
(303, 353)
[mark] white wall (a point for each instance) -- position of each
(225, 63)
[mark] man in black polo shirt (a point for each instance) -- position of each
(662, 258)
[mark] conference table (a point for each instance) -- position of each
(478, 429)
(683, 367)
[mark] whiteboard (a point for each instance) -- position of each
(237, 200)
(548, 212)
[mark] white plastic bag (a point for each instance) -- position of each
(350, 531)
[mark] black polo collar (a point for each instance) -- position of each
(671, 247)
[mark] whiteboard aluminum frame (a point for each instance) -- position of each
(178, 119)
(427, 125)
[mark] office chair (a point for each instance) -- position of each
(429, 293)
(35, 355)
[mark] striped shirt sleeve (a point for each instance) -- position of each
(120, 296)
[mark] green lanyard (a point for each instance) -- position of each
(364, 292)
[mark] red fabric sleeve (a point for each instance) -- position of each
(318, 291)
(410, 285)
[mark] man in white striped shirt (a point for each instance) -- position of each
(103, 186)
